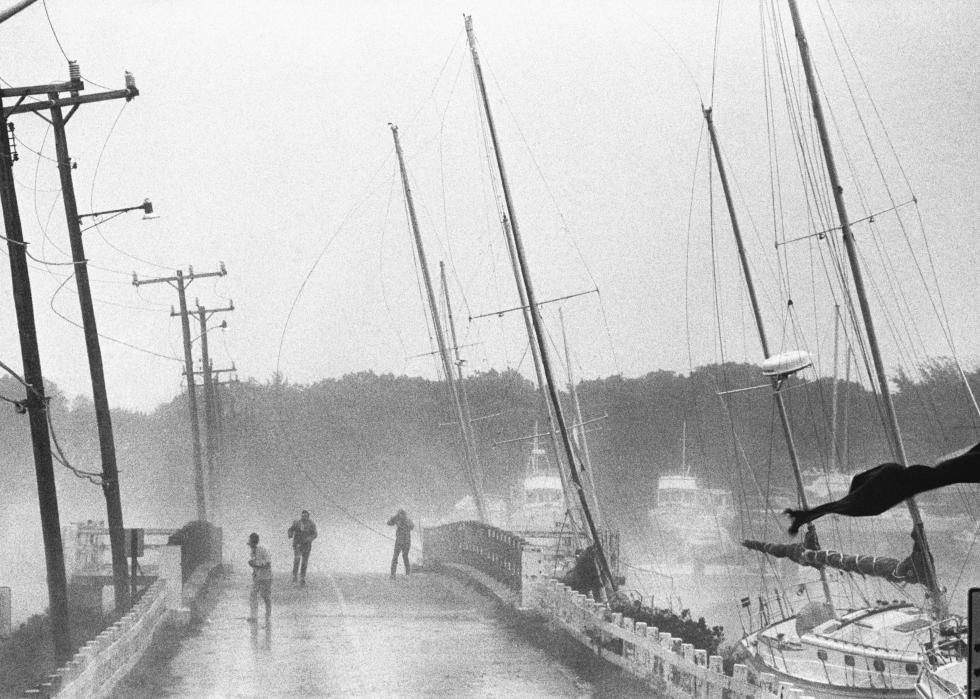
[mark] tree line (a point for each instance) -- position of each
(366, 442)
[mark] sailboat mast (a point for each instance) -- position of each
(603, 563)
(684, 468)
(570, 507)
(895, 432)
(467, 421)
(472, 464)
(833, 394)
(757, 313)
(580, 430)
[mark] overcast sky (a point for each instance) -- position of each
(261, 136)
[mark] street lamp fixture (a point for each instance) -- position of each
(146, 206)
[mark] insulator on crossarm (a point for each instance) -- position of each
(74, 72)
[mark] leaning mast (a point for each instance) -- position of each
(469, 450)
(570, 507)
(894, 431)
(777, 381)
(603, 564)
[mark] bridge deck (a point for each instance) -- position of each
(366, 636)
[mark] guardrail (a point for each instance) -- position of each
(490, 550)
(101, 664)
(670, 666)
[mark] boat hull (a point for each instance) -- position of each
(819, 690)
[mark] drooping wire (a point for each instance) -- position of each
(673, 50)
(320, 255)
(58, 455)
(53, 32)
(100, 334)
(91, 198)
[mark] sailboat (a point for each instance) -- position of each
(582, 508)
(554, 503)
(830, 652)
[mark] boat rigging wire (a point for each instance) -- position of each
(561, 215)
(714, 55)
(673, 50)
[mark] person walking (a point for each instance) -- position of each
(261, 565)
(302, 532)
(403, 540)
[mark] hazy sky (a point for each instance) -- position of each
(261, 136)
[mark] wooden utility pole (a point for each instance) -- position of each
(11, 11)
(210, 441)
(100, 399)
(216, 405)
(469, 454)
(35, 402)
(180, 283)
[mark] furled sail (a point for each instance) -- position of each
(909, 570)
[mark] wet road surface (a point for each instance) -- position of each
(350, 635)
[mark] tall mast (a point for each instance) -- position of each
(833, 466)
(777, 381)
(895, 433)
(571, 508)
(579, 431)
(600, 555)
(467, 421)
(472, 464)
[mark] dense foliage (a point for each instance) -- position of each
(365, 444)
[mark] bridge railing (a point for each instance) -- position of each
(672, 667)
(490, 550)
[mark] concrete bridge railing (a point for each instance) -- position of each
(668, 664)
(102, 663)
(490, 550)
(671, 666)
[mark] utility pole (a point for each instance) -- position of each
(216, 404)
(180, 282)
(100, 399)
(35, 402)
(203, 314)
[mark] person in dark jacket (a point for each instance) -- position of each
(302, 532)
(403, 540)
